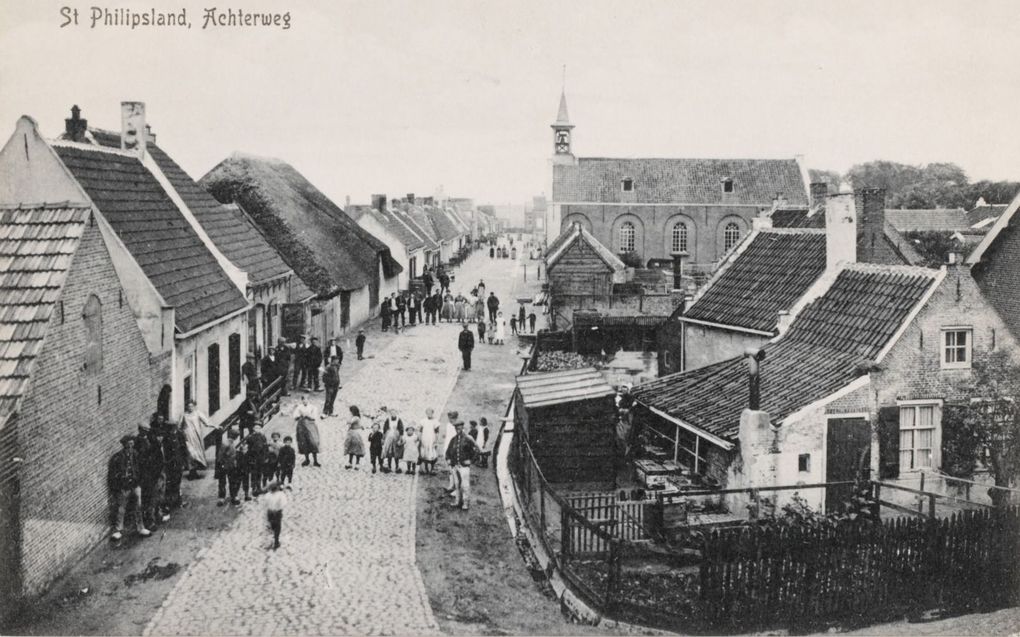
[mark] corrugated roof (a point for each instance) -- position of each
(830, 344)
(934, 220)
(690, 181)
(37, 244)
(156, 232)
(324, 246)
(555, 388)
(770, 274)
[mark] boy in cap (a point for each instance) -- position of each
(274, 502)
(125, 482)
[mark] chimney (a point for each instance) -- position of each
(762, 222)
(410, 198)
(395, 204)
(819, 191)
(347, 201)
(840, 230)
(678, 270)
(783, 321)
(379, 202)
(75, 126)
(870, 206)
(150, 137)
(428, 201)
(754, 356)
(132, 127)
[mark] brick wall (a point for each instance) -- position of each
(66, 435)
(654, 225)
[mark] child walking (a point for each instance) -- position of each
(274, 501)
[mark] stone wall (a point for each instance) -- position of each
(704, 345)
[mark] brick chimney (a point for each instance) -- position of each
(819, 191)
(379, 202)
(754, 357)
(410, 198)
(870, 206)
(75, 126)
(840, 230)
(132, 127)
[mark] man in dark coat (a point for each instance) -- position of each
(300, 369)
(152, 474)
(251, 375)
(313, 359)
(466, 343)
(283, 363)
(333, 350)
(444, 282)
(413, 308)
(427, 281)
(270, 367)
(401, 310)
(175, 455)
(493, 304)
(331, 379)
(125, 483)
(384, 312)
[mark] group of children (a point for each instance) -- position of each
(249, 464)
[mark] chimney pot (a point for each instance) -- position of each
(840, 231)
(410, 198)
(379, 202)
(75, 126)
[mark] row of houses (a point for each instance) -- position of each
(130, 289)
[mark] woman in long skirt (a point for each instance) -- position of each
(446, 313)
(429, 441)
(500, 328)
(458, 307)
(354, 444)
(306, 431)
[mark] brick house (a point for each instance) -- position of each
(408, 244)
(657, 207)
(122, 176)
(347, 268)
(76, 373)
(872, 354)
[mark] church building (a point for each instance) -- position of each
(656, 208)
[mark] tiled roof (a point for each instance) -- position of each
(984, 213)
(935, 220)
(157, 234)
(577, 233)
(405, 221)
(831, 343)
(774, 270)
(37, 244)
(388, 219)
(691, 181)
(236, 236)
(423, 223)
(996, 266)
(324, 246)
(446, 229)
(798, 218)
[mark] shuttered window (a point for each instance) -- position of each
(234, 354)
(918, 436)
(213, 377)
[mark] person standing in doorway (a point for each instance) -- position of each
(466, 343)
(283, 364)
(300, 368)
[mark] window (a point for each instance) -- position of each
(804, 462)
(92, 315)
(234, 371)
(679, 243)
(727, 185)
(918, 444)
(213, 380)
(731, 235)
(412, 266)
(627, 237)
(956, 347)
(628, 184)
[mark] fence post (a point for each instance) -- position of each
(931, 505)
(564, 533)
(613, 576)
(876, 506)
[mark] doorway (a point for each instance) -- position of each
(847, 457)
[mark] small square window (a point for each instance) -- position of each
(956, 347)
(727, 185)
(628, 185)
(804, 462)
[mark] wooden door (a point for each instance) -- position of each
(213, 378)
(847, 456)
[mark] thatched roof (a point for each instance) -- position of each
(325, 247)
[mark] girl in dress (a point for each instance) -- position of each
(411, 451)
(446, 314)
(500, 328)
(458, 308)
(354, 445)
(430, 440)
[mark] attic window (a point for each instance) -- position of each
(628, 184)
(727, 185)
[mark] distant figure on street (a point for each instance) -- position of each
(492, 252)
(444, 281)
(411, 450)
(333, 349)
(520, 316)
(481, 331)
(283, 357)
(481, 289)
(493, 304)
(228, 469)
(466, 343)
(331, 380)
(429, 441)
(270, 367)
(354, 443)
(426, 279)
(359, 342)
(384, 313)
(314, 362)
(287, 460)
(300, 369)
(251, 377)
(274, 502)
(375, 446)
(531, 322)
(500, 328)
(513, 325)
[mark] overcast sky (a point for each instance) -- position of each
(401, 97)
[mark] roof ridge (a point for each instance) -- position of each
(49, 205)
(790, 159)
(820, 231)
(95, 148)
(882, 268)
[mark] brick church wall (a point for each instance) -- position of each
(66, 435)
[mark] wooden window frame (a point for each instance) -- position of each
(945, 347)
(630, 243)
(678, 241)
(727, 246)
(936, 438)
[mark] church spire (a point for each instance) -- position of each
(561, 116)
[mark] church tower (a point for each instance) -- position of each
(562, 143)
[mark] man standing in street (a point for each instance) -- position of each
(270, 367)
(125, 483)
(283, 363)
(493, 304)
(313, 359)
(460, 454)
(331, 379)
(466, 343)
(426, 279)
(300, 368)
(333, 350)
(444, 281)
(413, 308)
(402, 310)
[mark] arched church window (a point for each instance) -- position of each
(679, 243)
(731, 235)
(627, 237)
(92, 315)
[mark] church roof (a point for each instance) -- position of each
(562, 118)
(755, 182)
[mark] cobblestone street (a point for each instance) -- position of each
(347, 560)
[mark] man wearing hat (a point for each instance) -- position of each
(125, 483)
(300, 369)
(283, 363)
(466, 343)
(270, 367)
(251, 376)
(359, 342)
(460, 454)
(313, 359)
(152, 471)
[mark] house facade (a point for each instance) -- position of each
(654, 208)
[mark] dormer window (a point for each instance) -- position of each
(727, 185)
(627, 184)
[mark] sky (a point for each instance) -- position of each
(401, 96)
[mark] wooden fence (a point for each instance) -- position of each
(622, 520)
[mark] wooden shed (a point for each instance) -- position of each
(569, 419)
(578, 264)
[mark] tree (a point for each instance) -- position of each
(993, 416)
(830, 178)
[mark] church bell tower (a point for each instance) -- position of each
(562, 135)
